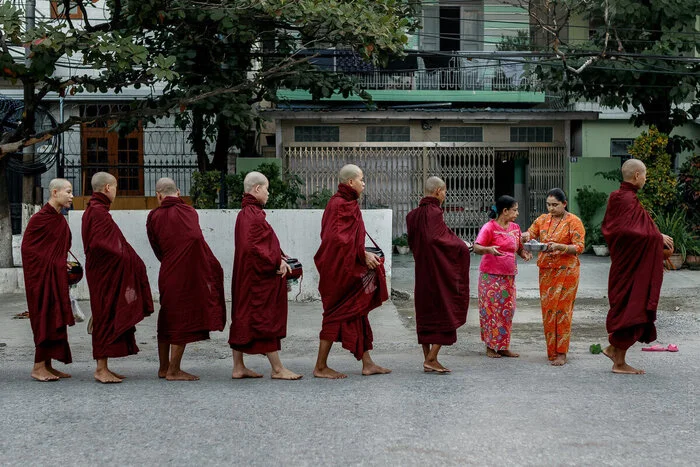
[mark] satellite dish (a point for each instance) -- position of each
(46, 153)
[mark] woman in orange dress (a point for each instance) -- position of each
(559, 267)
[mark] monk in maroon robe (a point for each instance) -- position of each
(120, 296)
(190, 282)
(442, 275)
(45, 246)
(259, 286)
(636, 270)
(352, 281)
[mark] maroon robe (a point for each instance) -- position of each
(349, 290)
(191, 280)
(120, 295)
(45, 246)
(441, 274)
(636, 270)
(258, 293)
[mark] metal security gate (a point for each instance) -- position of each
(394, 173)
(545, 171)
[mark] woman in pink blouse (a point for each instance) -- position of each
(499, 240)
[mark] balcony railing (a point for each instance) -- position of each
(431, 72)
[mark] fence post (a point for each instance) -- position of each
(223, 192)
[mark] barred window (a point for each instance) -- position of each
(316, 134)
(618, 147)
(531, 134)
(387, 134)
(461, 134)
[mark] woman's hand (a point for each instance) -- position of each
(526, 255)
(494, 251)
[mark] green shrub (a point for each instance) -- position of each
(401, 240)
(660, 193)
(319, 199)
(589, 202)
(676, 226)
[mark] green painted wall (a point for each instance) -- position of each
(583, 173)
(248, 164)
(596, 135)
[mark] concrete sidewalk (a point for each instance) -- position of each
(593, 283)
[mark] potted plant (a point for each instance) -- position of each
(590, 201)
(692, 259)
(596, 240)
(675, 225)
(401, 244)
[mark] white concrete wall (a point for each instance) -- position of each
(299, 232)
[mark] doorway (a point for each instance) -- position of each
(510, 169)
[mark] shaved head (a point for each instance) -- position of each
(252, 180)
(632, 167)
(100, 179)
(349, 172)
(58, 184)
(166, 187)
(432, 185)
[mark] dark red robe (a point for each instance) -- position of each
(441, 274)
(120, 295)
(636, 270)
(349, 290)
(191, 280)
(258, 293)
(45, 246)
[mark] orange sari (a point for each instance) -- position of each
(559, 275)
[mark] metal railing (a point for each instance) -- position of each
(134, 180)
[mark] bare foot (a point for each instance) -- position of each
(434, 366)
(625, 369)
(560, 360)
(374, 369)
(162, 372)
(245, 373)
(492, 353)
(285, 374)
(44, 375)
(55, 372)
(105, 376)
(181, 376)
(609, 352)
(117, 375)
(508, 353)
(328, 373)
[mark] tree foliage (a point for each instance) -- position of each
(208, 62)
(639, 56)
(659, 194)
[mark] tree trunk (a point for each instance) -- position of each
(5, 220)
(223, 143)
(199, 145)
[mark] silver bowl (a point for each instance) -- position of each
(535, 246)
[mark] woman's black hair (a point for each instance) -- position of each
(502, 203)
(559, 194)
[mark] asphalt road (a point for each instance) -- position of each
(487, 412)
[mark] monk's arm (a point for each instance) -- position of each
(260, 241)
(153, 240)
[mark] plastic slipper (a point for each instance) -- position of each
(655, 348)
(672, 348)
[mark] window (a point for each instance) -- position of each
(461, 134)
(531, 134)
(105, 151)
(316, 134)
(618, 147)
(387, 134)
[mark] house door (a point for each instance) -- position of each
(105, 151)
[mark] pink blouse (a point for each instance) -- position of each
(508, 243)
